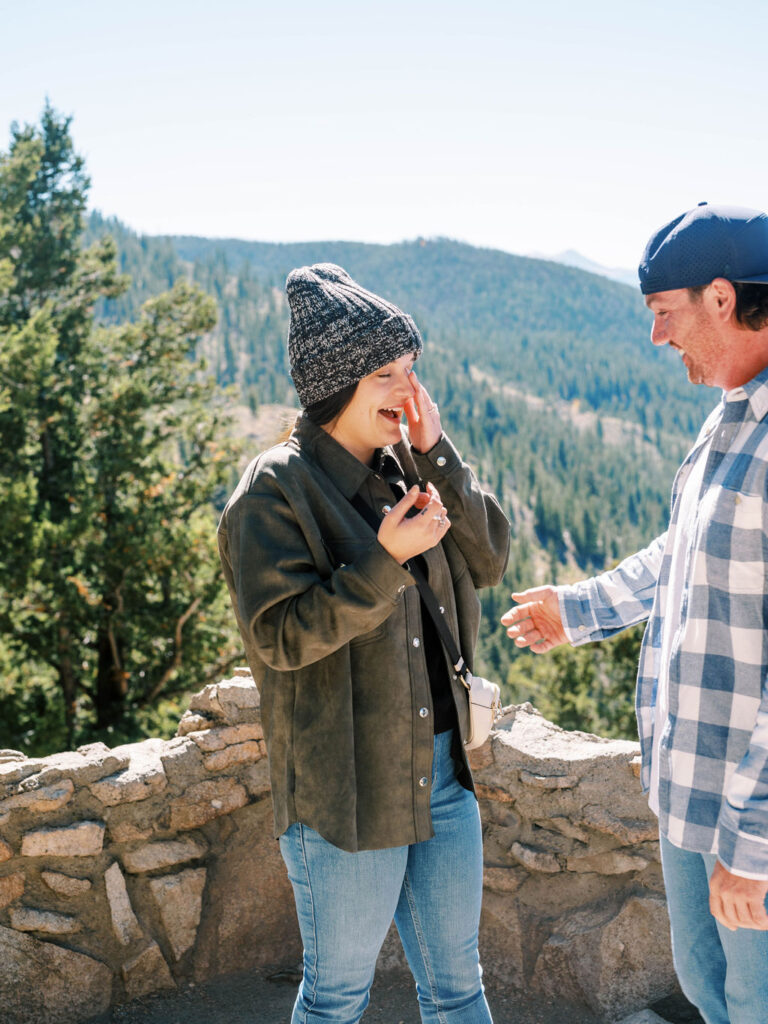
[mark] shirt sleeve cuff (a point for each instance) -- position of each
(744, 874)
(576, 613)
(441, 459)
(742, 854)
(383, 572)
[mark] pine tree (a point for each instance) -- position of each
(112, 452)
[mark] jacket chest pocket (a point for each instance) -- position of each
(733, 541)
(371, 637)
(343, 552)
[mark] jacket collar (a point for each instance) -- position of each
(347, 472)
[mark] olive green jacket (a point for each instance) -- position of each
(331, 625)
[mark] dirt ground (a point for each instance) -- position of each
(251, 998)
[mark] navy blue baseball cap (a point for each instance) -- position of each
(705, 243)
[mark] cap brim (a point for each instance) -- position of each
(754, 279)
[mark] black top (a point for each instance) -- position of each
(443, 708)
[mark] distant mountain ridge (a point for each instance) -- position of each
(572, 258)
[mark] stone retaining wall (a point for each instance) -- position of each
(574, 902)
(152, 865)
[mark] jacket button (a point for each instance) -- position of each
(401, 588)
(385, 509)
(423, 781)
(442, 610)
(440, 460)
(582, 627)
(423, 712)
(416, 642)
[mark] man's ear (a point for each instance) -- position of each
(722, 297)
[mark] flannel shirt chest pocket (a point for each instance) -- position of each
(732, 520)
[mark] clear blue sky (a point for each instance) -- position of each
(534, 126)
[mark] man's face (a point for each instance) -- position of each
(686, 325)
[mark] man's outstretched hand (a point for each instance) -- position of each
(535, 621)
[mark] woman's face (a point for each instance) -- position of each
(372, 418)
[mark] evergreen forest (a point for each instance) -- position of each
(138, 375)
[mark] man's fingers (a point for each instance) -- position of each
(750, 913)
(532, 594)
(759, 913)
(523, 630)
(517, 615)
(726, 913)
(535, 624)
(738, 902)
(717, 910)
(518, 627)
(534, 640)
(721, 912)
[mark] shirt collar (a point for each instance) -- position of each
(756, 393)
(347, 472)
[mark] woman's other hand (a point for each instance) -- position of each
(423, 415)
(536, 621)
(405, 537)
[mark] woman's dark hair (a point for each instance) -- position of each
(330, 408)
(322, 412)
(751, 303)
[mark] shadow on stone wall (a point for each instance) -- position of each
(132, 870)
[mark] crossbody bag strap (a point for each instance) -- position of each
(426, 592)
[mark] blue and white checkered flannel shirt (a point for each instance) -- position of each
(713, 755)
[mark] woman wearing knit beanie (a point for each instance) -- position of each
(363, 714)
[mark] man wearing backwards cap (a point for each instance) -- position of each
(702, 690)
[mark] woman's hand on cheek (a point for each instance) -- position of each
(405, 537)
(423, 415)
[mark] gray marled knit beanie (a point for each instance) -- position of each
(340, 332)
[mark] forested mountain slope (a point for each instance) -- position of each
(546, 379)
(553, 330)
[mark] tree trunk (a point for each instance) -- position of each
(111, 681)
(68, 683)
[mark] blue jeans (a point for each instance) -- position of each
(723, 973)
(346, 901)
